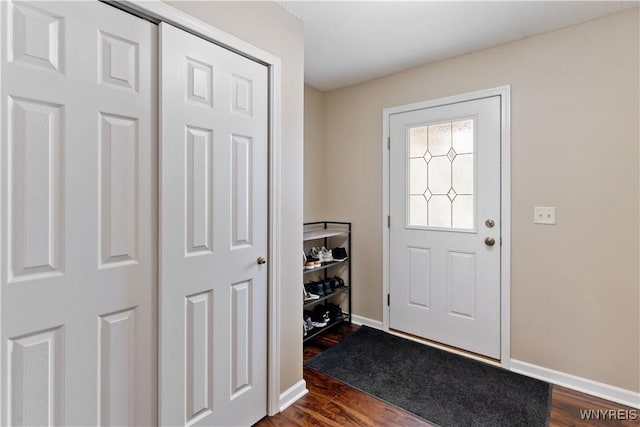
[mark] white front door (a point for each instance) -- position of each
(213, 230)
(79, 202)
(445, 224)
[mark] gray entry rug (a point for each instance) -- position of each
(438, 386)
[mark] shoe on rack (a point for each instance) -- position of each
(308, 322)
(337, 282)
(320, 315)
(339, 254)
(315, 288)
(308, 296)
(326, 286)
(309, 265)
(335, 312)
(317, 321)
(315, 253)
(313, 256)
(326, 255)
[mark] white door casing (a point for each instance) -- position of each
(213, 228)
(79, 203)
(444, 279)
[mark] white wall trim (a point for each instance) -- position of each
(584, 385)
(505, 189)
(359, 320)
(292, 394)
(160, 11)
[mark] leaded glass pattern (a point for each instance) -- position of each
(441, 175)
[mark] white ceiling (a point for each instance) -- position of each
(349, 42)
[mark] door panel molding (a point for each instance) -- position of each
(504, 92)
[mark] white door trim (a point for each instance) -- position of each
(159, 11)
(505, 204)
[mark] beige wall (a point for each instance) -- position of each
(575, 286)
(269, 27)
(317, 174)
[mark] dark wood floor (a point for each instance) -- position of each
(335, 404)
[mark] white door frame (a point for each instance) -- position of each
(160, 11)
(505, 203)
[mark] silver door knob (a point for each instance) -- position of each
(489, 241)
(489, 223)
(261, 260)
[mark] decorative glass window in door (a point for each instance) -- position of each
(441, 175)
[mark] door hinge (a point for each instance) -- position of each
(388, 221)
(389, 299)
(388, 143)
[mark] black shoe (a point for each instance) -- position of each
(339, 254)
(338, 282)
(335, 312)
(316, 319)
(308, 296)
(321, 315)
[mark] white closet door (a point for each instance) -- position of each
(78, 197)
(213, 229)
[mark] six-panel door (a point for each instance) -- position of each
(79, 209)
(213, 228)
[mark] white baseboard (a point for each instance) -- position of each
(584, 385)
(292, 394)
(359, 320)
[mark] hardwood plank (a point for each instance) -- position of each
(353, 407)
(333, 403)
(566, 405)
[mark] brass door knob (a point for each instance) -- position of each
(261, 260)
(489, 241)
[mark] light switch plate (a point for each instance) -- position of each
(544, 215)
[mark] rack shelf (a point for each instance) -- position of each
(321, 234)
(326, 297)
(317, 331)
(325, 266)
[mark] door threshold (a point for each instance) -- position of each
(445, 347)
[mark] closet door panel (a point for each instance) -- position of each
(78, 165)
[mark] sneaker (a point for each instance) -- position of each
(335, 312)
(320, 288)
(326, 286)
(315, 288)
(339, 254)
(308, 323)
(313, 259)
(320, 315)
(308, 296)
(326, 255)
(314, 253)
(316, 321)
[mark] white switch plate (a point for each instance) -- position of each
(544, 215)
